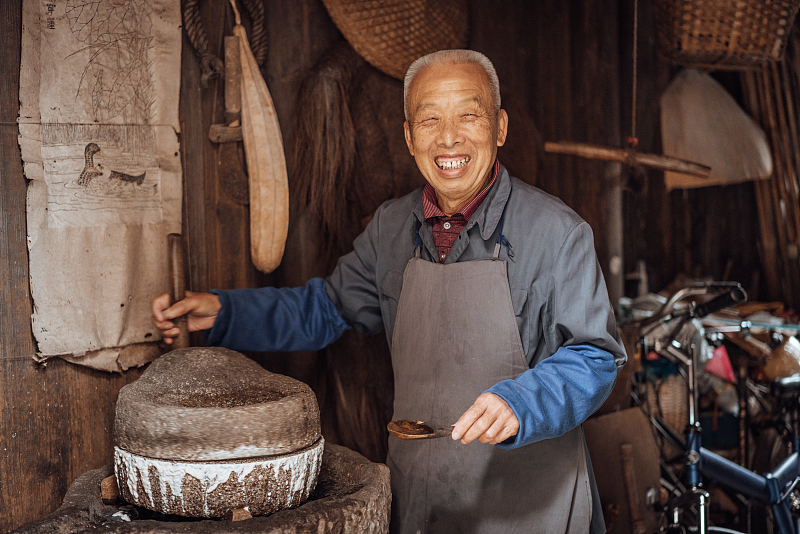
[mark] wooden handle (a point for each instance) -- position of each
(177, 286)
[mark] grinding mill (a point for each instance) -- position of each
(206, 430)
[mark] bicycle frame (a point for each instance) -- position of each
(773, 489)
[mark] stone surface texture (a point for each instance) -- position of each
(212, 489)
(352, 497)
(210, 403)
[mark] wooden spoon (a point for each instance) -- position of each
(408, 429)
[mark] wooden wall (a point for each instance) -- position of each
(568, 63)
(56, 420)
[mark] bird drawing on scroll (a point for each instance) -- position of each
(103, 180)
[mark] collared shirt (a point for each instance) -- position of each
(446, 228)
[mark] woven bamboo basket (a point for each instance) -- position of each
(391, 34)
(724, 34)
(669, 400)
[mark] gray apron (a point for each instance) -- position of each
(455, 336)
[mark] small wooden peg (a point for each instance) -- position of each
(240, 514)
(109, 491)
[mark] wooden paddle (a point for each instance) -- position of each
(266, 164)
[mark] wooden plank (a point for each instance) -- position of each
(604, 435)
(785, 167)
(57, 420)
(770, 124)
(767, 245)
(194, 181)
(57, 424)
(230, 265)
(16, 340)
(549, 91)
(595, 80)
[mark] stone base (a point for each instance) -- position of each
(211, 489)
(352, 497)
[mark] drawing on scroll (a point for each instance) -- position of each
(98, 140)
(118, 36)
(101, 174)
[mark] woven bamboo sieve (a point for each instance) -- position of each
(391, 34)
(723, 34)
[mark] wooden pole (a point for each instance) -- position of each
(664, 163)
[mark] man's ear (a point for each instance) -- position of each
(502, 127)
(407, 133)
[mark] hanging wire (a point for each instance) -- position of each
(632, 140)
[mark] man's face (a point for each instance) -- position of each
(453, 132)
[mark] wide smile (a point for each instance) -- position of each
(450, 164)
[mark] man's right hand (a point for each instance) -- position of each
(201, 310)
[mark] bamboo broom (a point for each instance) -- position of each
(266, 164)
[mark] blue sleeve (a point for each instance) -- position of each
(559, 393)
(273, 319)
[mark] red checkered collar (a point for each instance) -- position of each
(431, 207)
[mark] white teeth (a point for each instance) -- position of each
(449, 165)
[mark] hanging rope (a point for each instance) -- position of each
(258, 34)
(210, 65)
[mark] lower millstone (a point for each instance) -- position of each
(210, 489)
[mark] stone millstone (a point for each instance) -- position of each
(211, 489)
(200, 404)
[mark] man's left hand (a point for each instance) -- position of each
(489, 420)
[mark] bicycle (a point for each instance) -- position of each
(775, 489)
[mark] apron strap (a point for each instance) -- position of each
(501, 239)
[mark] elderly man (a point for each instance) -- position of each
(495, 310)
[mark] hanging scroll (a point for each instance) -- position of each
(99, 88)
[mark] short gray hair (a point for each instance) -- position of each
(453, 57)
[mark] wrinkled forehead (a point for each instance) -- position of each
(459, 83)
